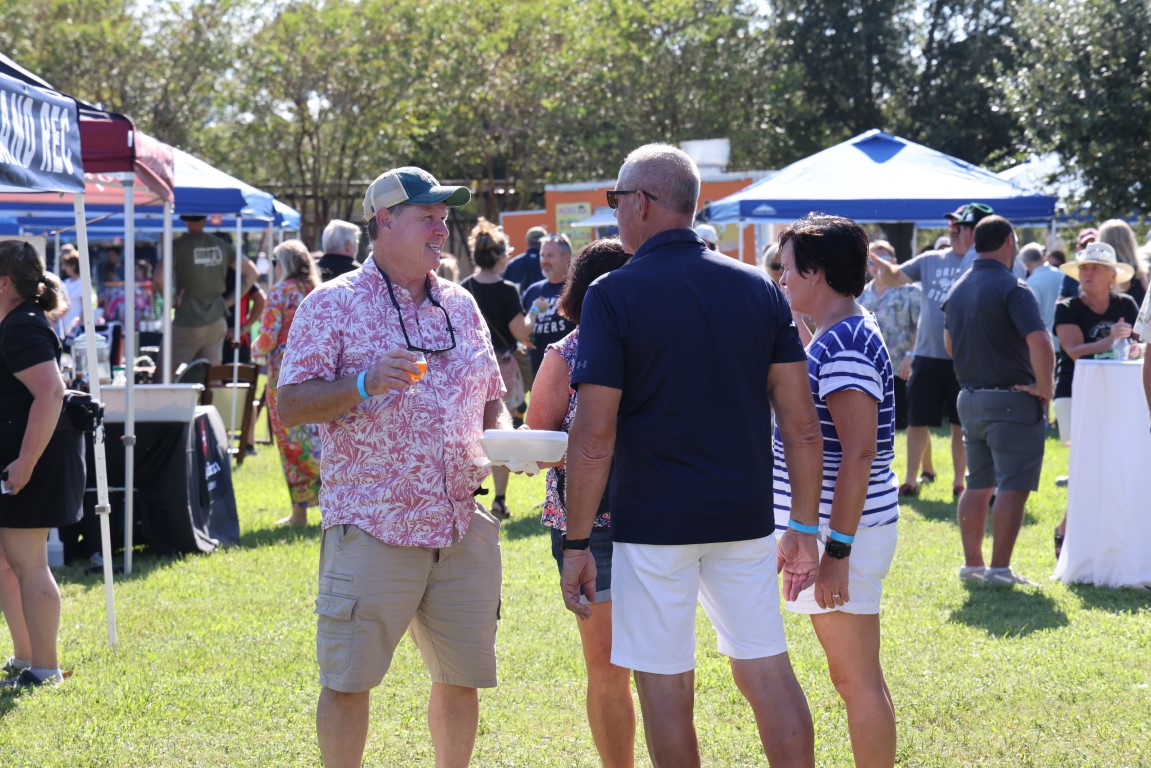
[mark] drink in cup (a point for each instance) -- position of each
(421, 363)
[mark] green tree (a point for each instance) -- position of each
(953, 103)
(1083, 81)
(842, 66)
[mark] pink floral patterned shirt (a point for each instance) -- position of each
(398, 465)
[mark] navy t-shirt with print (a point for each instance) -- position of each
(549, 326)
(688, 336)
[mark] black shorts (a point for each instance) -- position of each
(601, 550)
(932, 391)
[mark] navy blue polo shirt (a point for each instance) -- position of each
(688, 335)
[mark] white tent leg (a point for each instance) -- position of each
(236, 327)
(166, 298)
(102, 506)
(129, 368)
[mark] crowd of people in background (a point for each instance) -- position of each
(381, 377)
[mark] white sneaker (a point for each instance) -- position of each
(1006, 578)
(972, 573)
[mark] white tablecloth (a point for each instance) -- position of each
(1108, 540)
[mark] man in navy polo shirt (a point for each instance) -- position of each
(677, 328)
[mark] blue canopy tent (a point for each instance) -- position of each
(877, 177)
(40, 151)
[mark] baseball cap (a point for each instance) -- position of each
(411, 185)
(969, 214)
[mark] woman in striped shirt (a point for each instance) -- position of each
(824, 269)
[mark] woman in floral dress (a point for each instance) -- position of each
(296, 276)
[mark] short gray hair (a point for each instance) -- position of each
(666, 172)
(339, 233)
(1032, 253)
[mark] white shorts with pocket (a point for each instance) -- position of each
(870, 560)
(654, 593)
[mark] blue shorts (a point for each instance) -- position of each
(601, 548)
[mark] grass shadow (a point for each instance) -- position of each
(1006, 612)
(278, 535)
(1133, 600)
(144, 563)
(524, 527)
(946, 511)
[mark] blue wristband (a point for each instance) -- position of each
(841, 537)
(801, 528)
(360, 385)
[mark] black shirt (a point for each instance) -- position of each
(1094, 327)
(26, 340)
(335, 264)
(499, 303)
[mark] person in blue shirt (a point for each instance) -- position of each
(541, 300)
(677, 327)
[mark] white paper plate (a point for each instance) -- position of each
(508, 446)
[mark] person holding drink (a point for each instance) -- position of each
(396, 366)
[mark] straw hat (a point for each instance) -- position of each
(1099, 253)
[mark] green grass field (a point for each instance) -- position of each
(215, 664)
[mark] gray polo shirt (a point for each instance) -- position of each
(989, 314)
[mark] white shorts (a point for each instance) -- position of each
(654, 593)
(870, 560)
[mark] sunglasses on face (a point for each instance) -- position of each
(613, 196)
(776, 267)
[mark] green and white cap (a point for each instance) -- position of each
(411, 185)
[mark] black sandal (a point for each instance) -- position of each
(927, 477)
(1058, 542)
(499, 508)
(907, 489)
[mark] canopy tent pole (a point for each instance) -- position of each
(101, 459)
(741, 236)
(166, 298)
(236, 328)
(914, 240)
(56, 266)
(129, 366)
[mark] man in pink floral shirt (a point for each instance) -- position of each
(405, 546)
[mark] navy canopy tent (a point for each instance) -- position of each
(877, 177)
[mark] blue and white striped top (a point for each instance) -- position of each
(849, 355)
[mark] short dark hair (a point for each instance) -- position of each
(831, 244)
(594, 259)
(991, 233)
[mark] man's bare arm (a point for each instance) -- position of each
(318, 400)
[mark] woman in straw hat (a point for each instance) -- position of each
(1088, 325)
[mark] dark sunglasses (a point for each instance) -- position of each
(776, 267)
(412, 347)
(614, 194)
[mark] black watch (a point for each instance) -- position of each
(837, 549)
(567, 543)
